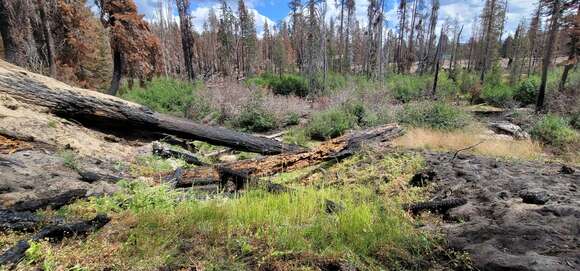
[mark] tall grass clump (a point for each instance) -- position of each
(335, 121)
(555, 131)
(436, 115)
(168, 95)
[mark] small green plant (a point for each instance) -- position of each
(255, 119)
(288, 84)
(292, 119)
(555, 131)
(526, 91)
(69, 159)
(406, 87)
(168, 95)
(495, 91)
(436, 115)
(52, 123)
(330, 123)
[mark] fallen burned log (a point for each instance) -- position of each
(166, 152)
(111, 114)
(17, 221)
(338, 148)
(53, 233)
(436, 206)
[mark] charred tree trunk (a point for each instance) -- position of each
(554, 23)
(337, 148)
(117, 72)
(186, 37)
(113, 114)
(47, 33)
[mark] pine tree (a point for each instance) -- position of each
(134, 48)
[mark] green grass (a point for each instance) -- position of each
(151, 226)
(171, 96)
(69, 159)
(436, 115)
(556, 131)
(408, 87)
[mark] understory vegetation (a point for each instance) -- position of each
(157, 226)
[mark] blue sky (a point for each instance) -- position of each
(275, 10)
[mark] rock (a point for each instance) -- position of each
(331, 207)
(423, 178)
(102, 188)
(509, 128)
(535, 197)
(567, 170)
(276, 188)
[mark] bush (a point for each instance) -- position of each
(255, 119)
(495, 91)
(467, 81)
(292, 119)
(289, 84)
(526, 91)
(446, 87)
(406, 87)
(331, 123)
(555, 131)
(434, 115)
(168, 95)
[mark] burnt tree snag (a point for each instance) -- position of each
(338, 148)
(113, 114)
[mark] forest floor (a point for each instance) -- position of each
(334, 216)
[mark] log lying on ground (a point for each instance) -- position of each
(167, 152)
(17, 221)
(53, 233)
(337, 148)
(110, 113)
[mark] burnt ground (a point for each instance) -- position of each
(496, 227)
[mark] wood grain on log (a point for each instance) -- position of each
(103, 111)
(337, 148)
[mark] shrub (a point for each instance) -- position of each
(255, 119)
(499, 95)
(434, 115)
(446, 87)
(467, 81)
(495, 91)
(526, 91)
(406, 87)
(331, 123)
(289, 84)
(292, 119)
(167, 95)
(555, 131)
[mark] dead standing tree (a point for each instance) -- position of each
(186, 37)
(134, 48)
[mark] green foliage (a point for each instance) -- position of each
(287, 84)
(555, 131)
(292, 119)
(407, 87)
(446, 87)
(297, 136)
(495, 91)
(69, 159)
(467, 81)
(370, 231)
(168, 95)
(436, 115)
(526, 90)
(330, 123)
(255, 118)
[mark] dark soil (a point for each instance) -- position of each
(496, 226)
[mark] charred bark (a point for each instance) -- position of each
(166, 152)
(108, 113)
(336, 149)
